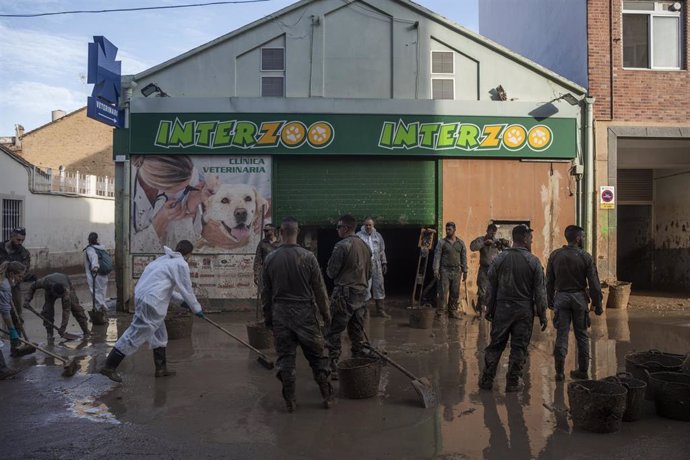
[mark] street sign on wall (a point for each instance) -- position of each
(607, 197)
(105, 73)
(353, 134)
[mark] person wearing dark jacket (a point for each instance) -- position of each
(13, 250)
(291, 283)
(516, 294)
(569, 273)
(58, 286)
(350, 269)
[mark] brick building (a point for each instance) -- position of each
(70, 140)
(636, 68)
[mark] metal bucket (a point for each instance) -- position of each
(258, 336)
(359, 377)
(179, 326)
(641, 363)
(619, 295)
(671, 394)
(421, 318)
(636, 391)
(596, 405)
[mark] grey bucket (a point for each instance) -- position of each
(359, 377)
(636, 392)
(179, 326)
(671, 394)
(640, 363)
(259, 337)
(596, 405)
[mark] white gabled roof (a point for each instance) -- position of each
(411, 5)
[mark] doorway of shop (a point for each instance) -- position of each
(402, 254)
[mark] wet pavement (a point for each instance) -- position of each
(223, 404)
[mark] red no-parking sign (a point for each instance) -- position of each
(607, 197)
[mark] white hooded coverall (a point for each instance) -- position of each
(91, 261)
(165, 278)
(378, 259)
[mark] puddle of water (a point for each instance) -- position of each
(89, 409)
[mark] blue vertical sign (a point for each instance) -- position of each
(105, 73)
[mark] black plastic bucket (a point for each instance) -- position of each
(179, 326)
(259, 337)
(636, 391)
(596, 405)
(671, 394)
(98, 317)
(359, 377)
(638, 364)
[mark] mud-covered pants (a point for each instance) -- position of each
(482, 286)
(449, 288)
(571, 307)
(68, 305)
(296, 324)
(511, 320)
(348, 311)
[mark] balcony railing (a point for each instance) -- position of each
(72, 183)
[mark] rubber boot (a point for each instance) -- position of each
(334, 369)
(381, 309)
(454, 314)
(288, 391)
(5, 371)
(161, 363)
(579, 374)
(325, 388)
(559, 363)
(113, 360)
(486, 381)
(84, 325)
(512, 383)
(17, 348)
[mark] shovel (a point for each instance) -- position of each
(421, 385)
(69, 367)
(64, 335)
(263, 359)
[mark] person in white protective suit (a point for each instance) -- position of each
(165, 278)
(91, 267)
(379, 265)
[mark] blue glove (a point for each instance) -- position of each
(200, 314)
(13, 334)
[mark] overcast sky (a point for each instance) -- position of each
(43, 60)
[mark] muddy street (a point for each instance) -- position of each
(223, 404)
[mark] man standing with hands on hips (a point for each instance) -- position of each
(450, 260)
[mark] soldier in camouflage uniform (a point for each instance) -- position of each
(292, 281)
(516, 294)
(350, 269)
(450, 260)
(13, 250)
(568, 273)
(263, 249)
(488, 247)
(58, 286)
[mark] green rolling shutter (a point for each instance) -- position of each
(318, 191)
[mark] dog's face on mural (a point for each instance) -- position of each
(236, 207)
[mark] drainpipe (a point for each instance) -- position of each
(589, 194)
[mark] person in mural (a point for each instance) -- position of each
(164, 279)
(58, 286)
(450, 261)
(488, 247)
(291, 283)
(516, 294)
(13, 250)
(569, 272)
(98, 283)
(350, 269)
(379, 265)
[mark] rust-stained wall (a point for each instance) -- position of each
(478, 191)
(74, 141)
(671, 230)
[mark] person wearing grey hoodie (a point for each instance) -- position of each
(95, 280)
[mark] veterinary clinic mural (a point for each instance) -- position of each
(216, 202)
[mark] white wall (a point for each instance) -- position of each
(57, 227)
(552, 33)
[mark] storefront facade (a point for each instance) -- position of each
(407, 122)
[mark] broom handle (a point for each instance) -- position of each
(26, 342)
(393, 363)
(234, 336)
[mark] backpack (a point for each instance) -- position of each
(105, 261)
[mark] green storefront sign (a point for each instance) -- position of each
(351, 134)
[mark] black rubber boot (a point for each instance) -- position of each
(84, 325)
(512, 383)
(161, 363)
(17, 348)
(5, 371)
(486, 382)
(334, 370)
(325, 388)
(381, 310)
(113, 360)
(289, 387)
(559, 363)
(579, 374)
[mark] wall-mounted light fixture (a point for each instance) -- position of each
(151, 89)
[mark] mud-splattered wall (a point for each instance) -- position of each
(478, 191)
(672, 230)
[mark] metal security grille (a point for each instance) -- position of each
(635, 185)
(272, 59)
(272, 86)
(441, 62)
(442, 88)
(12, 216)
